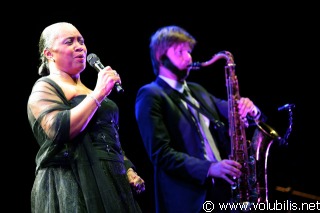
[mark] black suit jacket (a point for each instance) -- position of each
(174, 145)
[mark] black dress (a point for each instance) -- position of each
(86, 174)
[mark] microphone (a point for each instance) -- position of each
(286, 106)
(94, 61)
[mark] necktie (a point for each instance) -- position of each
(211, 150)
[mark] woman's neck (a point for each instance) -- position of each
(65, 77)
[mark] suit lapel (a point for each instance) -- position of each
(208, 111)
(175, 96)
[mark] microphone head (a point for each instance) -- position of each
(92, 59)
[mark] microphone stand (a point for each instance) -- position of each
(284, 140)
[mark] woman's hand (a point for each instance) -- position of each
(107, 78)
(135, 181)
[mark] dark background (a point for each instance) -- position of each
(273, 48)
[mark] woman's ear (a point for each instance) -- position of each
(47, 53)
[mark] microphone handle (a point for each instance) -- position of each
(118, 87)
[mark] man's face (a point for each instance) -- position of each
(180, 55)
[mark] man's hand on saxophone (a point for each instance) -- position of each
(246, 107)
(225, 169)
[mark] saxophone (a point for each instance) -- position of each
(251, 186)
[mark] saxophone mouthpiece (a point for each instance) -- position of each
(195, 66)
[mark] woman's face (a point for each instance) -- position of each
(69, 50)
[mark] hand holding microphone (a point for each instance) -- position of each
(94, 61)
